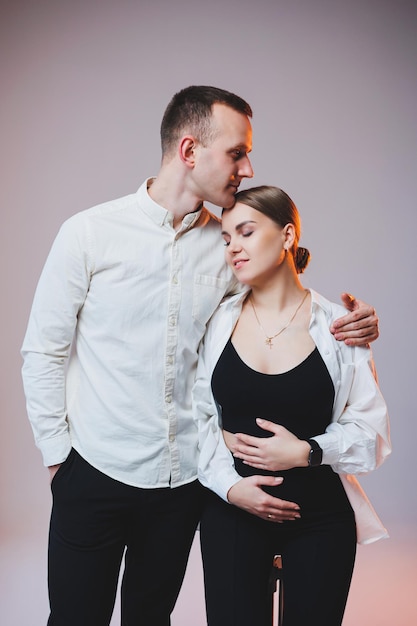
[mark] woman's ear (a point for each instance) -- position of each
(186, 150)
(289, 236)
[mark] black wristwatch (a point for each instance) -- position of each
(316, 453)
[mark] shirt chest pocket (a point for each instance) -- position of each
(208, 292)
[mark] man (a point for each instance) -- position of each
(109, 361)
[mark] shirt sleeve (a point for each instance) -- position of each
(358, 440)
(59, 296)
(216, 466)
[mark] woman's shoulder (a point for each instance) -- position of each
(332, 310)
(328, 312)
(223, 319)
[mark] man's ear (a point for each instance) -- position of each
(187, 149)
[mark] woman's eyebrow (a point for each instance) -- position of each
(239, 226)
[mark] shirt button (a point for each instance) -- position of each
(168, 399)
(172, 321)
(175, 280)
(171, 438)
(170, 360)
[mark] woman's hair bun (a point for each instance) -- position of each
(302, 258)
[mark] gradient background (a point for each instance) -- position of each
(333, 86)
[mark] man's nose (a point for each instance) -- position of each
(245, 169)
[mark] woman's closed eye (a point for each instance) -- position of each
(247, 233)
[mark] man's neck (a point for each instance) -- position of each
(171, 193)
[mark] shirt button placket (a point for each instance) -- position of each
(172, 340)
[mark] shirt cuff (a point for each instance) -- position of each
(330, 448)
(55, 450)
(225, 481)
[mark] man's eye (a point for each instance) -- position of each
(226, 243)
(248, 233)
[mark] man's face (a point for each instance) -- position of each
(221, 166)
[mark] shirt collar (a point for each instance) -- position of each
(158, 213)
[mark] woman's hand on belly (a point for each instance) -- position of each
(280, 452)
(248, 494)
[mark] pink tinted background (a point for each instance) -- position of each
(333, 87)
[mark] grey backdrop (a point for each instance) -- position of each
(333, 87)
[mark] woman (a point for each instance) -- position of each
(269, 354)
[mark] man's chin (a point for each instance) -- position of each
(225, 200)
(228, 200)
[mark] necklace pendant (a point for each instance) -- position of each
(268, 340)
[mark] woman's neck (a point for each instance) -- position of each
(277, 297)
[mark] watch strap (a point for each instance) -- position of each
(316, 453)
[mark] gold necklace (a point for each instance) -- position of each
(268, 340)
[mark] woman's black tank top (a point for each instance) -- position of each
(301, 400)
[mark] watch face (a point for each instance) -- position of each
(316, 454)
(313, 457)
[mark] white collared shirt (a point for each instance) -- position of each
(111, 345)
